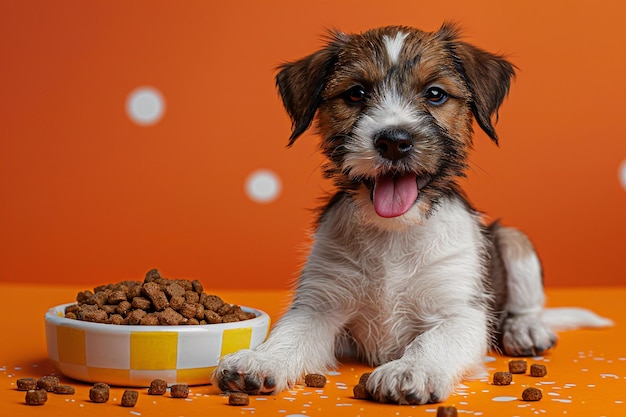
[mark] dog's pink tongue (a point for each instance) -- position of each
(394, 194)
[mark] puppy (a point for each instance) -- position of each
(402, 270)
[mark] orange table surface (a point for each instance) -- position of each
(586, 371)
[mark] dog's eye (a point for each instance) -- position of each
(436, 95)
(355, 95)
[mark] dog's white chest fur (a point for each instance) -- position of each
(395, 284)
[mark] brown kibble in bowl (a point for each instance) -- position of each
(152, 275)
(135, 316)
(123, 308)
(174, 301)
(150, 319)
(538, 370)
(117, 297)
(72, 308)
(96, 316)
(174, 289)
(158, 297)
(36, 397)
(212, 317)
(446, 411)
(230, 318)
(141, 303)
(212, 302)
(157, 387)
(517, 366)
(238, 398)
(48, 382)
(192, 297)
(532, 394)
(177, 302)
(188, 310)
(83, 296)
(197, 286)
(502, 378)
(171, 317)
(315, 380)
(129, 398)
(26, 384)
(179, 391)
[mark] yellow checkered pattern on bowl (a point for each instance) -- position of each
(138, 357)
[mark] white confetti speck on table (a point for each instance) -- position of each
(504, 398)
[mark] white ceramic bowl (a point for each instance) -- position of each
(125, 355)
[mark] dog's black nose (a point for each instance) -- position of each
(393, 144)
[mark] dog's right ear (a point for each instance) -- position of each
(302, 82)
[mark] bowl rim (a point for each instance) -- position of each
(55, 316)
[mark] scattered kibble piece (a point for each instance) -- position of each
(48, 382)
(99, 393)
(502, 378)
(26, 384)
(315, 380)
(102, 385)
(129, 398)
(179, 391)
(364, 377)
(65, 390)
(360, 392)
(538, 370)
(36, 396)
(446, 411)
(238, 398)
(157, 387)
(532, 394)
(517, 367)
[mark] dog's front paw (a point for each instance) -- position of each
(250, 372)
(526, 335)
(406, 382)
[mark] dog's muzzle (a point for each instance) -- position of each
(394, 193)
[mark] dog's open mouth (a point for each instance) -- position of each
(394, 194)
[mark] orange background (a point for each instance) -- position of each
(88, 196)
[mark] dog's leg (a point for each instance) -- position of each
(523, 331)
(435, 362)
(301, 342)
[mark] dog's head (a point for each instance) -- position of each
(394, 107)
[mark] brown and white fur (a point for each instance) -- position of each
(402, 269)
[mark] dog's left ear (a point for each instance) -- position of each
(489, 77)
(302, 82)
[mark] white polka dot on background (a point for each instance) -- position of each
(263, 186)
(622, 174)
(145, 106)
